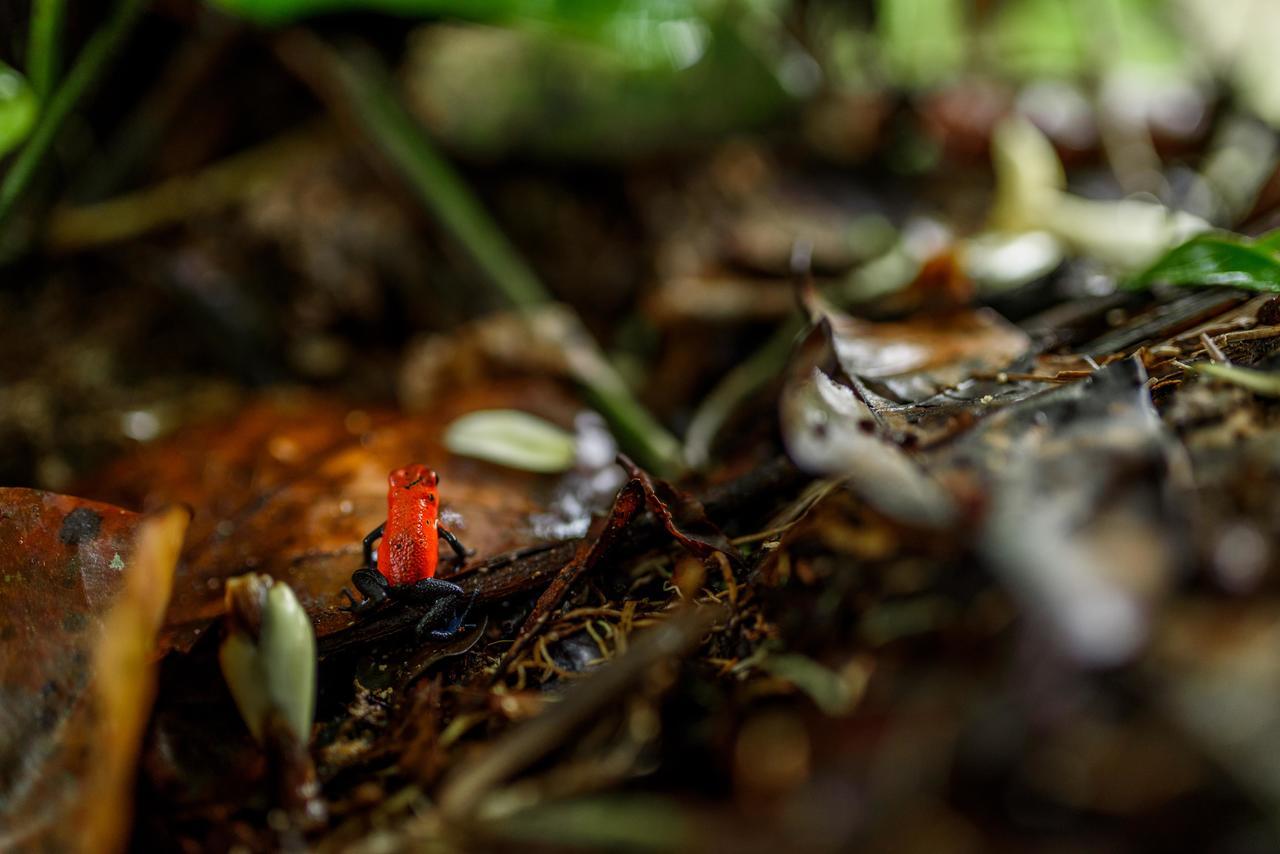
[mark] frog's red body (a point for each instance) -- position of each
(411, 538)
(404, 566)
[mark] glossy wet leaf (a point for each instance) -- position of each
(512, 438)
(18, 109)
(84, 585)
(1217, 259)
(828, 429)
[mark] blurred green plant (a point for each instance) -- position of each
(922, 42)
(44, 45)
(489, 92)
(353, 81)
(18, 109)
(642, 28)
(84, 73)
(1074, 38)
(1126, 235)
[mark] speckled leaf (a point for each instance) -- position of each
(65, 565)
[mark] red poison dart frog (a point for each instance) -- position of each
(404, 566)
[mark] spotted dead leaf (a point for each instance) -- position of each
(291, 486)
(83, 587)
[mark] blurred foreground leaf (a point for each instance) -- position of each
(84, 589)
(487, 92)
(1126, 234)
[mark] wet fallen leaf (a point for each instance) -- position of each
(829, 429)
(289, 488)
(921, 356)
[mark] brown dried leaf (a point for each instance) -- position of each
(289, 488)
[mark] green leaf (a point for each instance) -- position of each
(1217, 259)
(511, 438)
(18, 109)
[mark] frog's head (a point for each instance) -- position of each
(417, 479)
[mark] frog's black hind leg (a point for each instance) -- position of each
(371, 560)
(447, 609)
(373, 585)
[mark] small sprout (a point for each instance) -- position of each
(512, 438)
(269, 656)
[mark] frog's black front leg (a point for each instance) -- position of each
(449, 605)
(370, 560)
(458, 548)
(373, 585)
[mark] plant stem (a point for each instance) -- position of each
(371, 97)
(44, 46)
(353, 82)
(740, 383)
(88, 66)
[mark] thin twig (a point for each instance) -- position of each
(463, 790)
